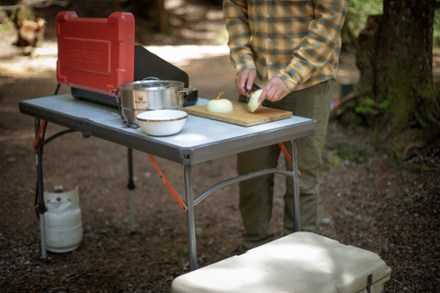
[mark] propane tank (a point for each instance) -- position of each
(64, 230)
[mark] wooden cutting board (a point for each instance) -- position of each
(240, 114)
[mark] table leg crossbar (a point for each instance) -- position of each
(191, 203)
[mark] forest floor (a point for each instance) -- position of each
(367, 201)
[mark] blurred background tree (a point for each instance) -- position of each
(396, 98)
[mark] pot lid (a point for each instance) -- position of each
(152, 85)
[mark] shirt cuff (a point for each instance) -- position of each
(244, 62)
(290, 81)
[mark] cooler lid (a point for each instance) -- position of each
(322, 261)
(299, 262)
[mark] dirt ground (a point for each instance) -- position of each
(366, 201)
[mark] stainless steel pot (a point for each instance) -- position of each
(150, 94)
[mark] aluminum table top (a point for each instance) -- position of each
(200, 140)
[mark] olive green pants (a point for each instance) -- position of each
(256, 195)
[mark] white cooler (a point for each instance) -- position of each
(301, 262)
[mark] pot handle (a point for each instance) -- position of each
(115, 92)
(118, 102)
(185, 94)
(186, 91)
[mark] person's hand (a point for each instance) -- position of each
(274, 91)
(245, 80)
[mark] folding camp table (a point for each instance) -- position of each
(200, 140)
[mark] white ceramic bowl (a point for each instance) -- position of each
(162, 122)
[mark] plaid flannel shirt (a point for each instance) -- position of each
(296, 40)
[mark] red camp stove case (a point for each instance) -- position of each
(95, 54)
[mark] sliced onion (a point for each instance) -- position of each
(253, 103)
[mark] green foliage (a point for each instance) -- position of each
(366, 107)
(6, 27)
(436, 34)
(369, 107)
(23, 12)
(341, 151)
(358, 11)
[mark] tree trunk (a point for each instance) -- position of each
(404, 68)
(366, 54)
(396, 92)
(162, 18)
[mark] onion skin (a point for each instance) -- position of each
(219, 105)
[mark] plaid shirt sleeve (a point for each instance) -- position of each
(239, 34)
(296, 40)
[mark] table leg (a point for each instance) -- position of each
(296, 202)
(131, 193)
(40, 188)
(189, 196)
(43, 236)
